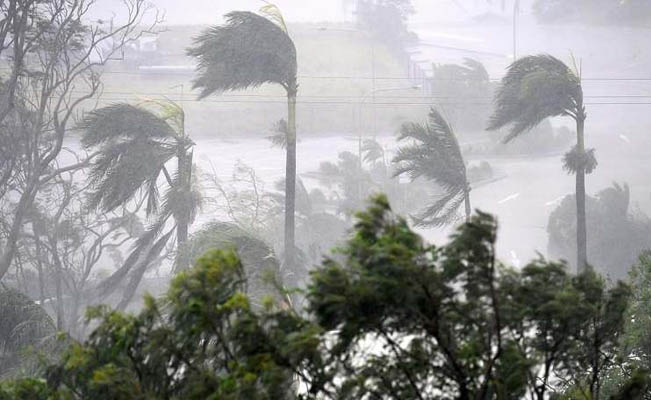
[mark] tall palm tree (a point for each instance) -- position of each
(435, 155)
(246, 52)
(541, 86)
(135, 146)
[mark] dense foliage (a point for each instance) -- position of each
(392, 318)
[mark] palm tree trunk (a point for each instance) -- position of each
(467, 203)
(182, 223)
(184, 160)
(581, 235)
(290, 177)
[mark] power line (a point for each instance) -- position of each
(352, 77)
(353, 103)
(386, 96)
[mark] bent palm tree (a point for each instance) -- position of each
(436, 156)
(537, 87)
(135, 144)
(246, 52)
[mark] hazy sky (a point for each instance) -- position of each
(209, 11)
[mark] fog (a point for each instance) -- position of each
(136, 136)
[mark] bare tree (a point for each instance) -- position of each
(65, 241)
(60, 71)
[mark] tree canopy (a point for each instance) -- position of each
(390, 317)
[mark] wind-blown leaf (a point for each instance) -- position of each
(372, 150)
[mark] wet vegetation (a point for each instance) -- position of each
(217, 244)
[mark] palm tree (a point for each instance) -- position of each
(258, 259)
(23, 324)
(436, 156)
(135, 145)
(246, 52)
(541, 86)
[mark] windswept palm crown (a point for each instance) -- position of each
(134, 146)
(248, 51)
(435, 154)
(535, 88)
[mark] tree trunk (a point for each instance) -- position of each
(184, 182)
(10, 247)
(466, 199)
(184, 159)
(581, 235)
(290, 178)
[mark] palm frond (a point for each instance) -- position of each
(180, 202)
(134, 144)
(302, 200)
(443, 211)
(475, 71)
(535, 88)
(372, 150)
(121, 121)
(279, 139)
(434, 154)
(170, 112)
(573, 160)
(23, 323)
(272, 12)
(248, 51)
(258, 258)
(137, 273)
(122, 168)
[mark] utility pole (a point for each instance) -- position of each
(516, 11)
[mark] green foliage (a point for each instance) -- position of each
(201, 341)
(390, 317)
(30, 388)
(435, 155)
